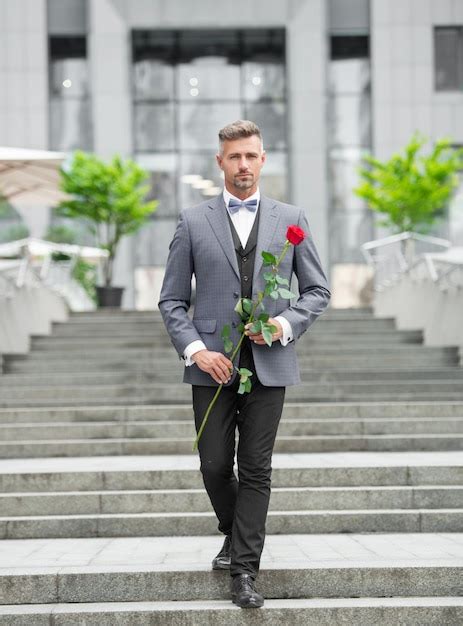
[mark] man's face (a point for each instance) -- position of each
(241, 162)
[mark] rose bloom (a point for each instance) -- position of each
(295, 235)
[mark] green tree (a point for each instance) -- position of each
(411, 190)
(110, 197)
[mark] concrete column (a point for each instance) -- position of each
(109, 59)
(306, 67)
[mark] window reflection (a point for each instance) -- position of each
(70, 124)
(208, 78)
(154, 127)
(153, 80)
(199, 123)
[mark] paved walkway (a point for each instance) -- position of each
(181, 553)
(181, 462)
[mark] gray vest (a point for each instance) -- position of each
(246, 260)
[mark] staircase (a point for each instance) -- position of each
(104, 518)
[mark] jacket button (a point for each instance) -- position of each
(245, 258)
(234, 324)
(236, 294)
(245, 278)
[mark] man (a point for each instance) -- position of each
(220, 241)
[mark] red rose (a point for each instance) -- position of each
(295, 235)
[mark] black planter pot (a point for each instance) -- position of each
(109, 296)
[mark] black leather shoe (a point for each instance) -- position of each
(223, 559)
(244, 593)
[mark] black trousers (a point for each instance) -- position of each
(240, 505)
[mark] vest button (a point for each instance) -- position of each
(245, 258)
(245, 278)
(235, 294)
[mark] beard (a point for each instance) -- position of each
(244, 183)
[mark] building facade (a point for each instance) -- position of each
(327, 81)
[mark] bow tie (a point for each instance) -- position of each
(234, 205)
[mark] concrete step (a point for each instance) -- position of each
(177, 428)
(321, 443)
(116, 473)
(117, 363)
(298, 612)
(123, 401)
(295, 498)
(293, 566)
(336, 351)
(165, 374)
(291, 410)
(88, 341)
(305, 612)
(163, 392)
(200, 524)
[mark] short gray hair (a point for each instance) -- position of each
(238, 130)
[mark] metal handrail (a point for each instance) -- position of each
(390, 264)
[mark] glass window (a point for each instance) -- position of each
(262, 81)
(163, 169)
(153, 80)
(448, 58)
(271, 119)
(203, 167)
(208, 78)
(69, 110)
(273, 176)
(349, 121)
(70, 124)
(69, 78)
(349, 47)
(154, 127)
(199, 123)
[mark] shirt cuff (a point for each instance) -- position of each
(287, 330)
(192, 348)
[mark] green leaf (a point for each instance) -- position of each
(245, 372)
(274, 295)
(263, 317)
(240, 328)
(256, 327)
(267, 335)
(272, 328)
(242, 388)
(268, 275)
(247, 386)
(268, 289)
(226, 331)
(228, 345)
(247, 305)
(269, 258)
(239, 308)
(285, 293)
(281, 281)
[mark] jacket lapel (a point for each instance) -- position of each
(217, 218)
(269, 218)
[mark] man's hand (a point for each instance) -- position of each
(214, 363)
(259, 339)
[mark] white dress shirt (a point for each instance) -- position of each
(243, 221)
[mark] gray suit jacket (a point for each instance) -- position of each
(203, 246)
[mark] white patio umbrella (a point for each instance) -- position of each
(30, 177)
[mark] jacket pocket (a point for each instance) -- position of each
(205, 326)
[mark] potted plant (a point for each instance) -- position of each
(110, 198)
(411, 190)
